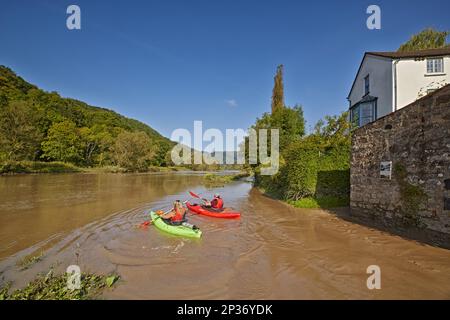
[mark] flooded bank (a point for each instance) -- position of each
(273, 251)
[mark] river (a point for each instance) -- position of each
(274, 251)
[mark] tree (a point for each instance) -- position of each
(19, 138)
(95, 142)
(93, 126)
(334, 131)
(426, 39)
(63, 143)
(316, 165)
(278, 91)
(133, 150)
(290, 122)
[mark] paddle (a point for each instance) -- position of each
(197, 196)
(205, 200)
(192, 226)
(147, 223)
(159, 215)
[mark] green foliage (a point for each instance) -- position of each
(214, 180)
(321, 202)
(30, 260)
(426, 39)
(96, 143)
(19, 138)
(133, 151)
(290, 122)
(412, 196)
(278, 90)
(315, 166)
(111, 280)
(54, 287)
(35, 124)
(36, 167)
(63, 143)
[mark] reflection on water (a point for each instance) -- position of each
(273, 251)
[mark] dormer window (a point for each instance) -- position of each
(435, 65)
(366, 85)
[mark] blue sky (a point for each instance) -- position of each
(168, 63)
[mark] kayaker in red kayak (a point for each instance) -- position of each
(215, 203)
(177, 215)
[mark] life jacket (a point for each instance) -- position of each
(217, 203)
(178, 216)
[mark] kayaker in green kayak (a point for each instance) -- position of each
(177, 215)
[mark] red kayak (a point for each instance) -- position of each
(213, 212)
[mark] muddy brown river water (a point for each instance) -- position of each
(273, 251)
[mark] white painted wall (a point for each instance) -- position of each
(413, 81)
(380, 74)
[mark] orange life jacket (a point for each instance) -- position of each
(217, 203)
(178, 216)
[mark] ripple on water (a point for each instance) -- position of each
(273, 251)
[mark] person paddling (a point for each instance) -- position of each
(215, 203)
(177, 215)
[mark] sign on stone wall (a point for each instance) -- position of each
(386, 169)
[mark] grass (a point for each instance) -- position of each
(215, 180)
(18, 167)
(10, 167)
(28, 261)
(320, 202)
(54, 287)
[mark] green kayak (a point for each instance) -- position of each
(177, 230)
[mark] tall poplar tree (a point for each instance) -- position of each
(278, 91)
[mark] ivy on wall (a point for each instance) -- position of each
(412, 196)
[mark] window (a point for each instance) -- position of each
(354, 116)
(366, 113)
(363, 113)
(366, 85)
(435, 65)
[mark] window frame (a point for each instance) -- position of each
(355, 113)
(431, 63)
(367, 85)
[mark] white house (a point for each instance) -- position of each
(388, 81)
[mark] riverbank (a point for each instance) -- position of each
(25, 167)
(325, 202)
(54, 287)
(212, 180)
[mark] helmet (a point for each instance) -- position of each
(216, 195)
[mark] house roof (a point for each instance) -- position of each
(413, 54)
(366, 98)
(403, 55)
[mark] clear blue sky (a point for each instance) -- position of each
(168, 63)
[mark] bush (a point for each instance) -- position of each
(36, 167)
(321, 202)
(315, 167)
(54, 287)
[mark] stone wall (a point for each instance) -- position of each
(416, 139)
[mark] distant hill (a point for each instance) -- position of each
(26, 106)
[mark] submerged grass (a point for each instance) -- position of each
(214, 180)
(54, 287)
(327, 202)
(29, 260)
